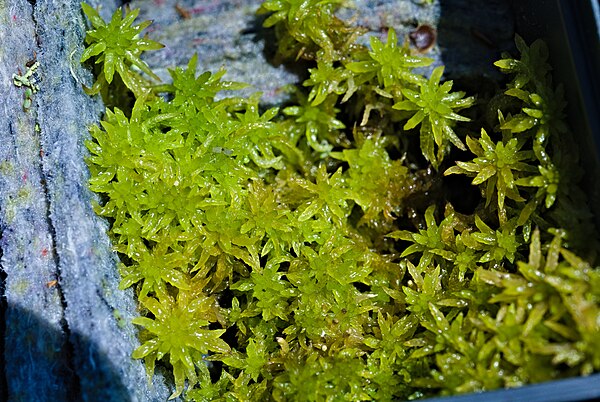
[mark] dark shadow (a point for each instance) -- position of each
(39, 364)
(571, 30)
(267, 38)
(461, 194)
(472, 34)
(255, 31)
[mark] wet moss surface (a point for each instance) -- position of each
(312, 250)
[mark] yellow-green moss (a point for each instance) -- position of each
(297, 254)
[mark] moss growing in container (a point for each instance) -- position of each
(303, 253)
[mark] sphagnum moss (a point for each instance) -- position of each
(280, 243)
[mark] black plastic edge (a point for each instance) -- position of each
(582, 27)
(572, 32)
(569, 390)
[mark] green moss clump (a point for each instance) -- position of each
(308, 253)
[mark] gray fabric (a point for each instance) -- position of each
(63, 340)
(34, 338)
